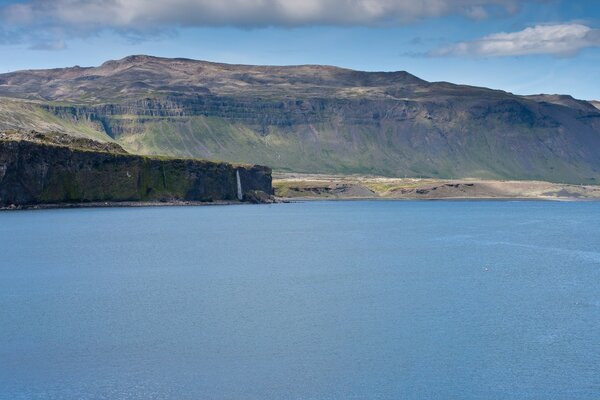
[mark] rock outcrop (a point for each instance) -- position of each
(38, 172)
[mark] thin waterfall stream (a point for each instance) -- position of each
(239, 185)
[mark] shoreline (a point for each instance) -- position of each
(134, 204)
(448, 199)
(294, 186)
(120, 204)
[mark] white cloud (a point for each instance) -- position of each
(559, 40)
(151, 14)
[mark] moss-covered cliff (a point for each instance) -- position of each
(34, 173)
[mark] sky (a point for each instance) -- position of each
(521, 46)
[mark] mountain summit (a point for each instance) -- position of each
(140, 75)
(311, 118)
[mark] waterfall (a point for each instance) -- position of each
(240, 196)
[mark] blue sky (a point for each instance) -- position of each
(525, 47)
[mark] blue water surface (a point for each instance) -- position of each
(317, 300)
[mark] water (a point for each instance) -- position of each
(324, 300)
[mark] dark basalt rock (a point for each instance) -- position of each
(37, 173)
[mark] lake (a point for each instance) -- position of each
(316, 300)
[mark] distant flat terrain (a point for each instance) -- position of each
(316, 186)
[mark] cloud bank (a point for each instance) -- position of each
(90, 15)
(561, 40)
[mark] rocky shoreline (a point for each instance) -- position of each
(127, 204)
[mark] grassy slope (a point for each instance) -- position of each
(341, 149)
(15, 114)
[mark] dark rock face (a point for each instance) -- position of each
(35, 173)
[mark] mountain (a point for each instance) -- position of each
(311, 118)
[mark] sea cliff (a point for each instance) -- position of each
(34, 172)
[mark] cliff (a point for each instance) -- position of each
(38, 172)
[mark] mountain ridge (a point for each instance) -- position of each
(142, 59)
(28, 83)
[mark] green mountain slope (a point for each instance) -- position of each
(315, 119)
